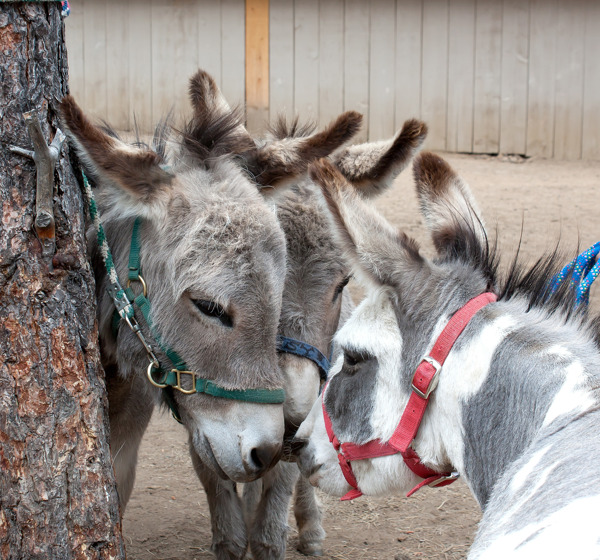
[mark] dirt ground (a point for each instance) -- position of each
(167, 517)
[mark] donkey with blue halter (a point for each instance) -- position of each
(449, 369)
(314, 305)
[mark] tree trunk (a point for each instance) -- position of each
(57, 490)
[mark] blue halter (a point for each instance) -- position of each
(305, 350)
(583, 271)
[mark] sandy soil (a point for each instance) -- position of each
(167, 516)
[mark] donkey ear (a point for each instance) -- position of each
(450, 211)
(282, 160)
(372, 167)
(133, 171)
(215, 129)
(372, 244)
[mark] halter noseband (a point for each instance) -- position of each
(305, 350)
(424, 382)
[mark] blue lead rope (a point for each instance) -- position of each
(581, 271)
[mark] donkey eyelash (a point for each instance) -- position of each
(341, 286)
(352, 358)
(213, 309)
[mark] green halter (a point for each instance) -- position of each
(125, 304)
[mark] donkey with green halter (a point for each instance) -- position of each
(314, 305)
(204, 257)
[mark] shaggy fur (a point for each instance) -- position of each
(207, 234)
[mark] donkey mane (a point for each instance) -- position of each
(281, 129)
(209, 135)
(530, 281)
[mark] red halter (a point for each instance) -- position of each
(424, 382)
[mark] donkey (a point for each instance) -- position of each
(314, 305)
(518, 392)
(212, 255)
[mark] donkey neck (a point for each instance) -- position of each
(513, 377)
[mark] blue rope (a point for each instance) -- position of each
(66, 9)
(581, 271)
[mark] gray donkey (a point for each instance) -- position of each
(448, 367)
(212, 261)
(314, 305)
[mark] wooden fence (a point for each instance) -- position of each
(488, 76)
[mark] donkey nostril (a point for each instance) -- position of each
(263, 458)
(297, 444)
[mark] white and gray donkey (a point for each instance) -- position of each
(314, 305)
(517, 407)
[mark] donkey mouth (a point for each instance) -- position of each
(208, 456)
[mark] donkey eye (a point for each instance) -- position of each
(340, 287)
(212, 309)
(352, 359)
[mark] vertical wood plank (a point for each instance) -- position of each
(515, 68)
(461, 75)
(590, 148)
(163, 30)
(356, 61)
(331, 59)
(74, 40)
(209, 38)
(233, 45)
(140, 64)
(117, 77)
(488, 60)
(382, 78)
(257, 64)
(409, 28)
(569, 80)
(434, 65)
(183, 55)
(281, 59)
(94, 58)
(306, 58)
(542, 55)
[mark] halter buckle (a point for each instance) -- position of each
(178, 385)
(433, 383)
(446, 478)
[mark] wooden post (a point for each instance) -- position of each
(257, 64)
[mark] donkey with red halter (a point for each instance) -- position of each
(314, 305)
(448, 369)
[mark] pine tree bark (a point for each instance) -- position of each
(57, 491)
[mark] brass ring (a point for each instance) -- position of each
(149, 374)
(144, 286)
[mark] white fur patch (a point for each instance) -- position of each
(523, 475)
(572, 398)
(571, 532)
(440, 439)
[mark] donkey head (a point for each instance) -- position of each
(410, 299)
(315, 303)
(213, 258)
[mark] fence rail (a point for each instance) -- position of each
(508, 76)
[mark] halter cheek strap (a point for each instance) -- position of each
(424, 382)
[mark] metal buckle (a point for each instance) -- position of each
(140, 279)
(178, 386)
(152, 365)
(434, 380)
(451, 477)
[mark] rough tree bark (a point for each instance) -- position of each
(57, 492)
